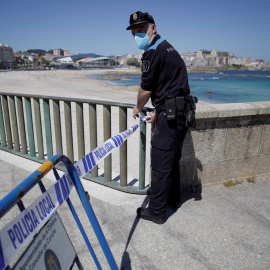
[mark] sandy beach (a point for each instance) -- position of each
(67, 83)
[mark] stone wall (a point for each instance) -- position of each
(231, 141)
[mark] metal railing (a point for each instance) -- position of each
(17, 194)
(37, 127)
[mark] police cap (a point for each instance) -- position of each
(139, 17)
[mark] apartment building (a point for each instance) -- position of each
(57, 52)
(6, 57)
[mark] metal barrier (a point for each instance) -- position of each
(16, 195)
(24, 127)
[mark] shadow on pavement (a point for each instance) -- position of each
(125, 262)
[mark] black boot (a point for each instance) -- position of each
(145, 214)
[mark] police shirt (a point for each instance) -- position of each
(163, 71)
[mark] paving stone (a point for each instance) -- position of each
(215, 228)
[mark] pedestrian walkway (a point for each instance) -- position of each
(218, 228)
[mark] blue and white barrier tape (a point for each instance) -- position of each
(88, 162)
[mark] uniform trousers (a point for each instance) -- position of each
(167, 142)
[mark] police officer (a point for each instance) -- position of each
(164, 78)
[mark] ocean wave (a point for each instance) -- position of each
(111, 83)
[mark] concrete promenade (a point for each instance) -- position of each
(217, 228)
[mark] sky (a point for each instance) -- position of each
(238, 26)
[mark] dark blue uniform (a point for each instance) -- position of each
(164, 73)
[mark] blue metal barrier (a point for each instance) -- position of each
(15, 196)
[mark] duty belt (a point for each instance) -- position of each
(161, 107)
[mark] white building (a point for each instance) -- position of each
(30, 57)
(98, 62)
(65, 60)
(199, 54)
(123, 59)
(138, 56)
(214, 53)
(67, 53)
(237, 61)
(6, 56)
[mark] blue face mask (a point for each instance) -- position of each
(142, 40)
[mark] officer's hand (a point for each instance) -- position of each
(135, 112)
(153, 115)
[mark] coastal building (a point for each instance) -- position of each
(255, 63)
(199, 54)
(214, 53)
(205, 58)
(30, 57)
(83, 62)
(188, 58)
(65, 60)
(124, 58)
(67, 53)
(199, 62)
(18, 58)
(6, 56)
(49, 57)
(56, 52)
(237, 61)
(137, 56)
(98, 62)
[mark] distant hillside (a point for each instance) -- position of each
(43, 52)
(37, 51)
(91, 54)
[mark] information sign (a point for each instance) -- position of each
(51, 249)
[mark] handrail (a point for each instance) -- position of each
(83, 100)
(28, 131)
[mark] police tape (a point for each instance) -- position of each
(88, 162)
(21, 230)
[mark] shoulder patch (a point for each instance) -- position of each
(145, 65)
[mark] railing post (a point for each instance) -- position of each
(48, 132)
(38, 128)
(142, 154)
(21, 124)
(68, 125)
(14, 123)
(123, 147)
(57, 126)
(80, 129)
(93, 133)
(29, 121)
(7, 122)
(2, 127)
(107, 135)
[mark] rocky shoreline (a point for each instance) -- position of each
(114, 73)
(114, 78)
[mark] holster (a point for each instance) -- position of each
(170, 107)
(190, 111)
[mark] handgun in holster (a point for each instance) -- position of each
(190, 111)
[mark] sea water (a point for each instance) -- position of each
(221, 87)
